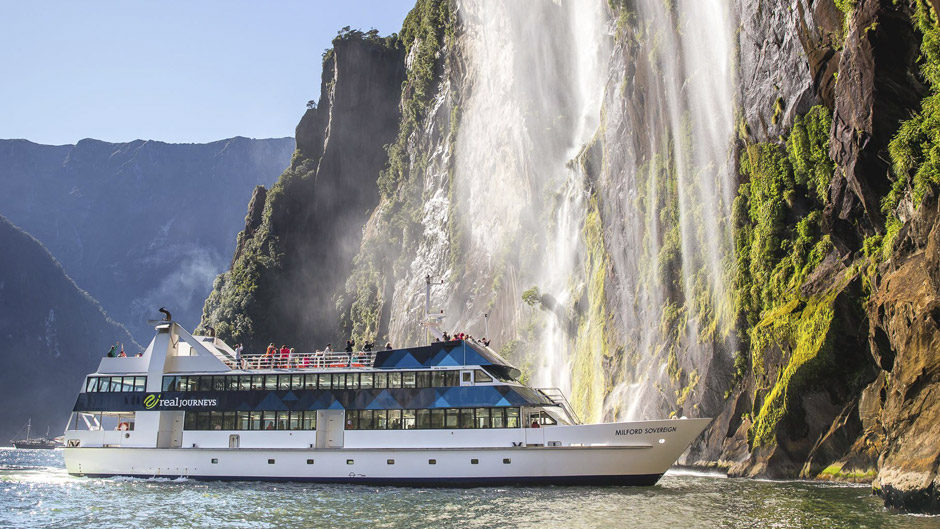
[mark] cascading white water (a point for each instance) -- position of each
(542, 80)
(689, 113)
(538, 71)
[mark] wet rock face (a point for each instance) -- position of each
(788, 58)
(877, 88)
(905, 338)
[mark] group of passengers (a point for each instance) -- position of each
(114, 352)
(462, 336)
(287, 357)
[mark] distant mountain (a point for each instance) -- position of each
(142, 224)
(52, 334)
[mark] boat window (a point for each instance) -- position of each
(366, 420)
(394, 379)
(512, 417)
(283, 420)
(215, 420)
(310, 420)
(231, 383)
(480, 376)
(394, 419)
(189, 421)
(170, 383)
(452, 379)
(140, 384)
(422, 379)
(218, 383)
(365, 381)
(437, 418)
(204, 383)
(352, 380)
(257, 382)
(244, 382)
(339, 381)
(483, 417)
(283, 382)
(498, 418)
(452, 419)
(466, 418)
(380, 380)
(270, 382)
(407, 419)
(228, 421)
(352, 419)
(423, 419)
(408, 379)
(256, 420)
(310, 382)
(324, 381)
(465, 377)
(91, 385)
(104, 384)
(242, 420)
(437, 379)
(202, 421)
(269, 420)
(381, 419)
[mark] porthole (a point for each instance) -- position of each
(661, 441)
(474, 461)
(215, 461)
(270, 461)
(432, 461)
(507, 461)
(350, 462)
(310, 461)
(390, 461)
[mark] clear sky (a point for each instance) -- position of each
(176, 71)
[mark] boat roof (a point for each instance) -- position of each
(453, 353)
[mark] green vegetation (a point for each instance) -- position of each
(836, 472)
(777, 214)
(915, 149)
(778, 243)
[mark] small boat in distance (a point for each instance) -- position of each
(34, 443)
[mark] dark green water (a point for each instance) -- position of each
(35, 491)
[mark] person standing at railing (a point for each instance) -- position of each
(268, 358)
(285, 354)
(238, 356)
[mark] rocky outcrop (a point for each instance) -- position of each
(295, 257)
(903, 406)
(878, 86)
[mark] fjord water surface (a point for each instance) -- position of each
(35, 491)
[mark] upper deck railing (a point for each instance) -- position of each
(316, 360)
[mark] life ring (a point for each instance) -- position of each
(123, 426)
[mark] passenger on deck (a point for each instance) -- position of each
(111, 353)
(388, 346)
(290, 357)
(268, 358)
(285, 354)
(329, 348)
(368, 346)
(238, 355)
(446, 337)
(349, 346)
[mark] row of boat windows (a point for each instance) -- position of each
(424, 419)
(396, 379)
(123, 384)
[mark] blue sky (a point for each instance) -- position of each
(176, 71)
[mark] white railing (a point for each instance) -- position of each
(317, 360)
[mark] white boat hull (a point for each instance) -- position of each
(621, 454)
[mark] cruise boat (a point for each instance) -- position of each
(452, 413)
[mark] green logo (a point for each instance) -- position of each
(151, 401)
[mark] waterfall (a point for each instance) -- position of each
(634, 253)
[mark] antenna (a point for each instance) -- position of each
(431, 321)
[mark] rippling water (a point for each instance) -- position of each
(35, 491)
